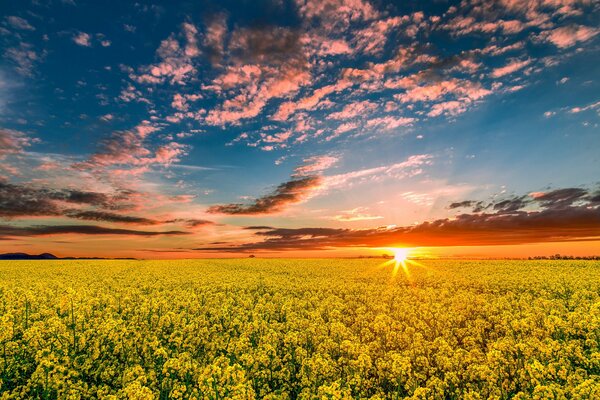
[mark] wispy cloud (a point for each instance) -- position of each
(19, 23)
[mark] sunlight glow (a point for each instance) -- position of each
(400, 255)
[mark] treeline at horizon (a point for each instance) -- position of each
(564, 257)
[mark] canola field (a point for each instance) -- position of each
(299, 329)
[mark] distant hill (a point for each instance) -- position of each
(48, 256)
(25, 256)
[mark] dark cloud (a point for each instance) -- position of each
(44, 230)
(289, 192)
(594, 198)
(28, 201)
(297, 233)
(258, 227)
(192, 223)
(561, 198)
(109, 217)
(16, 201)
(22, 200)
(462, 204)
(511, 205)
(266, 44)
(553, 199)
(559, 218)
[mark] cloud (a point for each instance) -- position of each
(352, 110)
(372, 39)
(390, 122)
(23, 200)
(174, 64)
(190, 222)
(592, 106)
(309, 102)
(191, 35)
(355, 214)
(27, 201)
(510, 68)
(567, 36)
(315, 164)
(556, 199)
(465, 25)
(267, 63)
(452, 107)
(49, 230)
(558, 218)
(24, 57)
(13, 142)
(92, 215)
(214, 38)
(287, 193)
(412, 166)
(265, 45)
(337, 13)
(83, 39)
(19, 23)
(127, 148)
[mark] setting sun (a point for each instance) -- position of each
(400, 255)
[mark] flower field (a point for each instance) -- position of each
(300, 329)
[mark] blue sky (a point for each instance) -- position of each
(195, 120)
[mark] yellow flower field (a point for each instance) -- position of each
(300, 329)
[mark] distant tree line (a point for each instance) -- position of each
(562, 257)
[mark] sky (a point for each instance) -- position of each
(307, 128)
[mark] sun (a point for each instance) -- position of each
(400, 255)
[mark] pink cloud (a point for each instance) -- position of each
(449, 107)
(12, 142)
(355, 214)
(175, 65)
(567, 36)
(191, 35)
(343, 128)
(278, 137)
(252, 98)
(83, 39)
(352, 110)
(322, 46)
(593, 106)
(337, 12)
(372, 39)
(510, 68)
(238, 75)
(498, 50)
(127, 149)
(315, 164)
(307, 103)
(168, 153)
(428, 92)
(181, 101)
(390, 122)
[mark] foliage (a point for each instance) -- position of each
(299, 329)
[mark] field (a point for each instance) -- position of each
(300, 329)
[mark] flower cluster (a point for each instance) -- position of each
(300, 329)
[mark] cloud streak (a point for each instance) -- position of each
(287, 193)
(7, 231)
